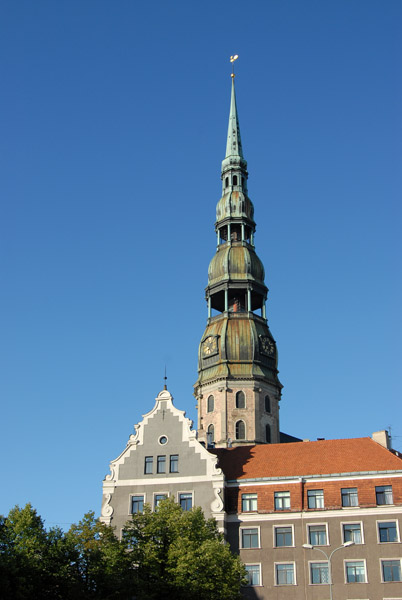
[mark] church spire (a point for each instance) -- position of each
(238, 389)
(233, 144)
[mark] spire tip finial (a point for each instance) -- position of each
(165, 378)
(232, 60)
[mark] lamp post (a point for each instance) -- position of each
(329, 557)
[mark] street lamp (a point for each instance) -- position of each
(345, 545)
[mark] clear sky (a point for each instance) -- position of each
(113, 129)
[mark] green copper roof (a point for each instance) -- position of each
(233, 144)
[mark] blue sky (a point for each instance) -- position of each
(114, 120)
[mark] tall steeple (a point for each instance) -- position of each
(238, 389)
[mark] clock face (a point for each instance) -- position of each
(267, 345)
(209, 345)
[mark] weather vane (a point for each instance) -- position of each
(232, 60)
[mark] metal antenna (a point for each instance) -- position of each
(165, 378)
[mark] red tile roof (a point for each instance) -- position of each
(306, 458)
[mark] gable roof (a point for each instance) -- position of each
(323, 457)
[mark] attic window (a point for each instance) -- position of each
(163, 440)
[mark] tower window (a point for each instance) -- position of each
(267, 404)
(268, 434)
(240, 400)
(210, 403)
(240, 430)
(210, 434)
(234, 179)
(226, 181)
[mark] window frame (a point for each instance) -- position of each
(282, 508)
(172, 460)
(161, 464)
(325, 526)
(242, 395)
(287, 526)
(155, 494)
(130, 506)
(285, 562)
(244, 528)
(148, 462)
(321, 562)
(397, 541)
(209, 409)
(315, 497)
(396, 559)
(344, 495)
(259, 574)
(385, 489)
(186, 493)
(237, 435)
(243, 499)
(355, 560)
(343, 523)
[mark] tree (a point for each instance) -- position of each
(102, 565)
(178, 554)
(33, 562)
(86, 563)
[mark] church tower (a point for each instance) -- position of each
(238, 389)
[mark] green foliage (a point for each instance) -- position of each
(164, 554)
(182, 555)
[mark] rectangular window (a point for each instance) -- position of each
(158, 499)
(383, 494)
(282, 500)
(319, 572)
(283, 536)
(148, 468)
(349, 497)
(174, 463)
(249, 502)
(391, 570)
(315, 498)
(355, 571)
(186, 501)
(249, 538)
(253, 574)
(161, 464)
(317, 535)
(137, 504)
(285, 574)
(387, 532)
(352, 532)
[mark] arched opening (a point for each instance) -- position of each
(210, 404)
(268, 434)
(234, 179)
(267, 404)
(226, 181)
(240, 400)
(240, 430)
(210, 435)
(235, 233)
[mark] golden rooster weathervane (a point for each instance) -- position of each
(232, 60)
